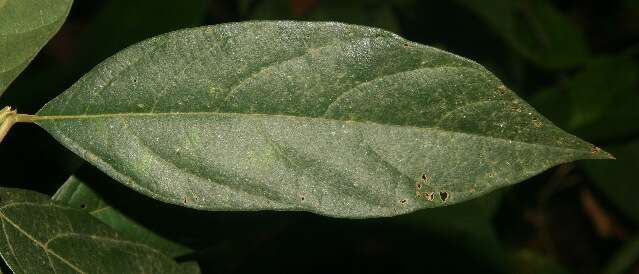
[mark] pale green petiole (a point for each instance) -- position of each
(8, 117)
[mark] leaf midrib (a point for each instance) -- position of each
(37, 118)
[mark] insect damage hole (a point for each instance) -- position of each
(429, 196)
(444, 196)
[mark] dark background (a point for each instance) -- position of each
(576, 61)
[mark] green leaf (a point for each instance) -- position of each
(43, 237)
(598, 101)
(80, 195)
(336, 119)
(25, 27)
(535, 29)
(626, 257)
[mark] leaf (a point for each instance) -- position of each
(43, 237)
(597, 101)
(79, 195)
(336, 119)
(535, 29)
(625, 258)
(25, 27)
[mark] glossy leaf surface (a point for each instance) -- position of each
(341, 120)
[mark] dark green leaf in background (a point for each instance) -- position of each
(468, 225)
(43, 237)
(598, 101)
(25, 27)
(618, 179)
(336, 119)
(623, 261)
(77, 194)
(535, 29)
(531, 262)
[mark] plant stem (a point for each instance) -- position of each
(7, 122)
(8, 117)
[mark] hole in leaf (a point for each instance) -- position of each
(403, 201)
(83, 206)
(443, 196)
(429, 196)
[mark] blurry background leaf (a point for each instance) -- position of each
(625, 259)
(598, 101)
(618, 179)
(535, 29)
(25, 27)
(531, 262)
(469, 226)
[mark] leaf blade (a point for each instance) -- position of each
(304, 116)
(26, 26)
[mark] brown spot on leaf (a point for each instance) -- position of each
(595, 150)
(501, 89)
(407, 45)
(536, 122)
(516, 108)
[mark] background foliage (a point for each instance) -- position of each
(575, 61)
